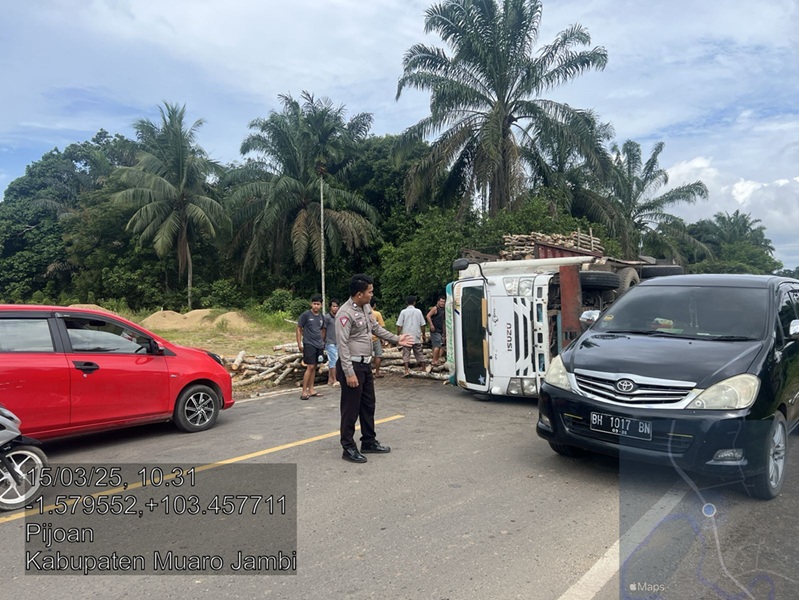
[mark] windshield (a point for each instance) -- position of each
(723, 313)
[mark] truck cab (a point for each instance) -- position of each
(507, 319)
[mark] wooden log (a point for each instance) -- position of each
(284, 374)
(238, 361)
(418, 374)
(290, 358)
(260, 378)
(290, 347)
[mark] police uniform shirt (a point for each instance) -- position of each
(354, 328)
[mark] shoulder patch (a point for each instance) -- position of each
(344, 320)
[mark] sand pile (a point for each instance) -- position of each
(165, 320)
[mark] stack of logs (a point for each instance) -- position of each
(523, 246)
(269, 370)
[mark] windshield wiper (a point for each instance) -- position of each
(729, 338)
(635, 331)
(653, 332)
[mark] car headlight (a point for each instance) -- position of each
(216, 357)
(557, 375)
(731, 394)
(525, 287)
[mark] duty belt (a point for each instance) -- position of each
(362, 359)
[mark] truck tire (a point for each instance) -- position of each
(649, 271)
(599, 280)
(629, 278)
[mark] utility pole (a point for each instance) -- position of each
(322, 201)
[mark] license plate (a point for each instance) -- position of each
(621, 426)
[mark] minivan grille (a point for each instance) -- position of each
(662, 392)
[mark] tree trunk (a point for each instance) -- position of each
(190, 270)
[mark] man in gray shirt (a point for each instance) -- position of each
(311, 342)
(411, 321)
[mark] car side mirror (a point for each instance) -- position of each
(156, 348)
(588, 318)
(793, 330)
(460, 264)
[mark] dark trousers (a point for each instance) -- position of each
(357, 402)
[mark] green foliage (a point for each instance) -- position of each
(224, 293)
(277, 201)
(278, 300)
(738, 257)
(285, 302)
(422, 264)
(634, 212)
(169, 187)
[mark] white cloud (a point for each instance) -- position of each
(742, 191)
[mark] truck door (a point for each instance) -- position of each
(470, 343)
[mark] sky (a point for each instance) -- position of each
(717, 82)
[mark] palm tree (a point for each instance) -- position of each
(635, 214)
(486, 95)
(280, 198)
(171, 186)
(571, 161)
(726, 228)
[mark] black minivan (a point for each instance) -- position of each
(696, 371)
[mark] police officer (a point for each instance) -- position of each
(355, 325)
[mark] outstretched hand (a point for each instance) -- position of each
(406, 340)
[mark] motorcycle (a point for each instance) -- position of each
(21, 464)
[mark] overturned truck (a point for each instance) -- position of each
(507, 319)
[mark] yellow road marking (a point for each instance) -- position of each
(229, 461)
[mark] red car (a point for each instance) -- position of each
(66, 371)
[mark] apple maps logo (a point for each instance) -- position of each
(647, 587)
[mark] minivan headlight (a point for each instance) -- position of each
(731, 394)
(557, 375)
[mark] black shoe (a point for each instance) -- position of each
(374, 448)
(352, 455)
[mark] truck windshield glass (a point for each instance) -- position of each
(718, 313)
(473, 335)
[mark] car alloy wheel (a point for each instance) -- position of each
(769, 483)
(197, 408)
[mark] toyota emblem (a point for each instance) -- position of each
(625, 386)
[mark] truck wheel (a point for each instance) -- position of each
(599, 280)
(629, 278)
(566, 450)
(649, 271)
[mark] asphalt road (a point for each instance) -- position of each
(470, 504)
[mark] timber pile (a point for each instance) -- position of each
(518, 246)
(270, 370)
